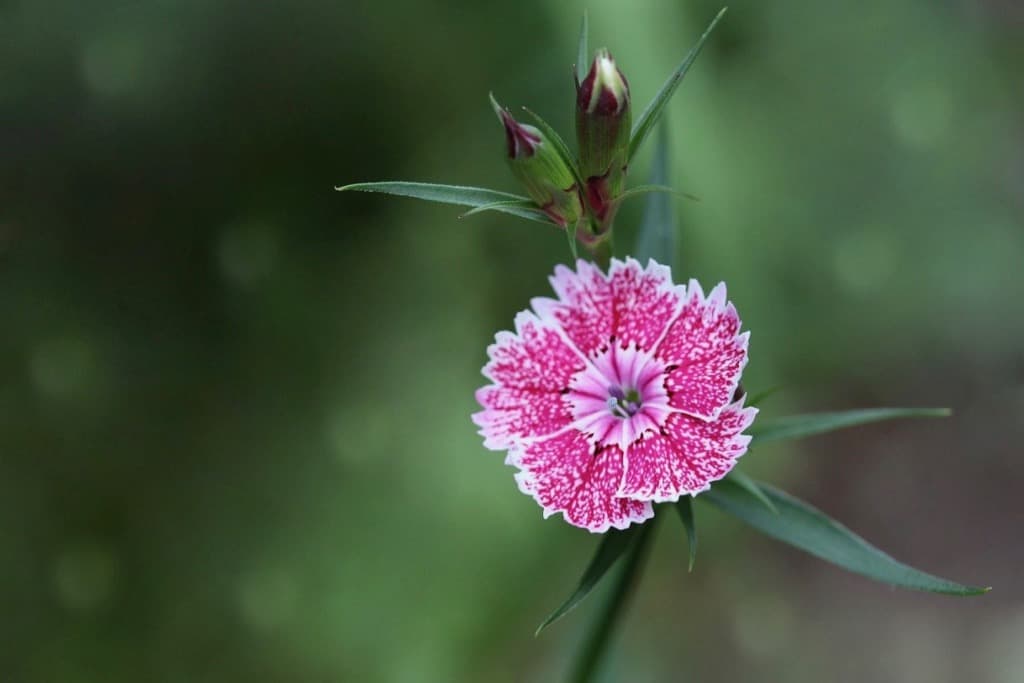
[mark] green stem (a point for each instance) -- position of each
(596, 642)
(602, 253)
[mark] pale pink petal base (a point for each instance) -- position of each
(617, 394)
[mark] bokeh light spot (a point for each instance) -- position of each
(248, 253)
(764, 625)
(84, 576)
(267, 599)
(921, 113)
(112, 64)
(64, 368)
(865, 259)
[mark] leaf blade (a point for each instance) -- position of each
(807, 528)
(458, 195)
(612, 546)
(656, 107)
(657, 236)
(684, 506)
(582, 55)
(809, 424)
(751, 487)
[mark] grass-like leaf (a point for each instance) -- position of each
(684, 506)
(595, 644)
(657, 236)
(645, 124)
(810, 530)
(758, 398)
(582, 56)
(751, 487)
(613, 545)
(525, 204)
(458, 195)
(798, 426)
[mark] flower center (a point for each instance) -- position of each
(619, 396)
(624, 404)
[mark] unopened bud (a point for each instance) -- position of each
(603, 119)
(540, 169)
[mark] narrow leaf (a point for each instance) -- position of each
(657, 237)
(613, 545)
(798, 426)
(810, 530)
(662, 189)
(759, 397)
(582, 56)
(656, 108)
(684, 506)
(595, 644)
(451, 194)
(525, 204)
(751, 487)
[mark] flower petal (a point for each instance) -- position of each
(686, 456)
(709, 354)
(511, 415)
(583, 308)
(645, 302)
(531, 371)
(632, 304)
(565, 474)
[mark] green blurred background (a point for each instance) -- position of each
(234, 405)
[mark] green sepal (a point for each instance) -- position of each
(807, 528)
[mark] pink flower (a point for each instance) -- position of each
(617, 394)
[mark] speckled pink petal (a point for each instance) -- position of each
(583, 309)
(645, 302)
(704, 352)
(531, 371)
(617, 393)
(686, 456)
(565, 475)
(632, 305)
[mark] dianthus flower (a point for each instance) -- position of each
(617, 394)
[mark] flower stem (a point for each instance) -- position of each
(596, 642)
(602, 252)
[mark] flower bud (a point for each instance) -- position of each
(603, 119)
(540, 169)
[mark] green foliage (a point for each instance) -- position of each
(750, 486)
(474, 197)
(807, 528)
(684, 507)
(798, 426)
(612, 546)
(656, 107)
(658, 233)
(582, 54)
